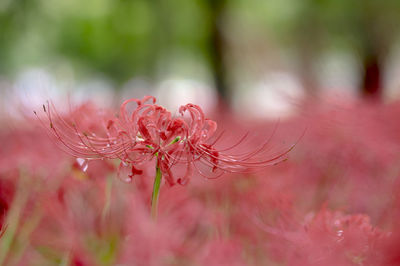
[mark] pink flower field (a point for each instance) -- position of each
(141, 185)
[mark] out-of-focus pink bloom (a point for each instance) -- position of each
(222, 253)
(151, 132)
(331, 238)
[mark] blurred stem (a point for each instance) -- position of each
(156, 192)
(66, 260)
(25, 233)
(107, 192)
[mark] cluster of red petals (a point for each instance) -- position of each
(150, 131)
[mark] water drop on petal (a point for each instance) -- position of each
(340, 235)
(125, 172)
(182, 181)
(83, 164)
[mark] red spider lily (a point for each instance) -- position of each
(150, 131)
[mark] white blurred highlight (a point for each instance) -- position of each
(97, 90)
(273, 97)
(391, 78)
(34, 87)
(339, 72)
(173, 93)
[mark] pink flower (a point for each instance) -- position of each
(331, 238)
(151, 132)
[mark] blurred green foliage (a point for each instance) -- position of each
(119, 38)
(124, 38)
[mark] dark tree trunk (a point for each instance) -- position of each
(371, 86)
(217, 48)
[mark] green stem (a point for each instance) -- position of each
(156, 193)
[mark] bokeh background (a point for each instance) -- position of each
(314, 80)
(255, 55)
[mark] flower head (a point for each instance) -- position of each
(151, 132)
